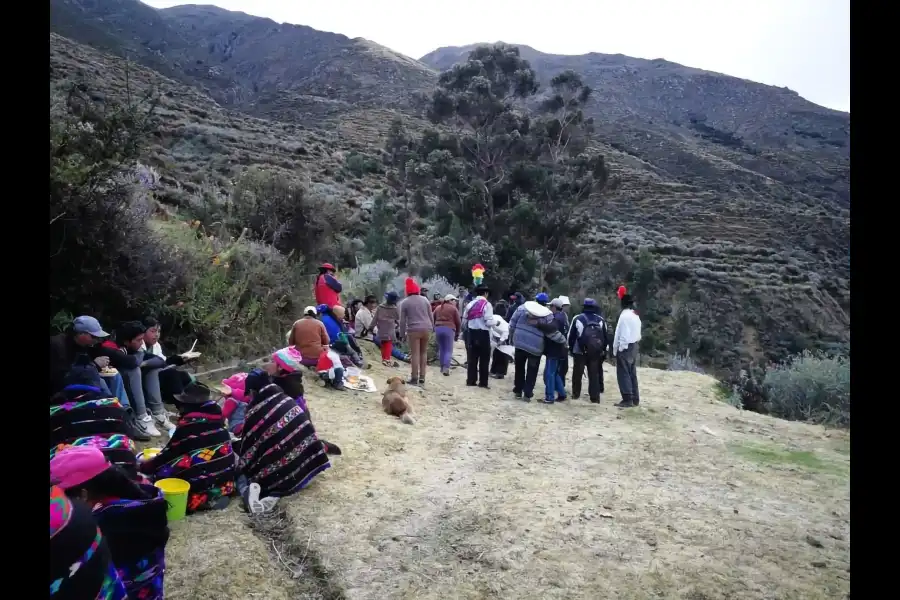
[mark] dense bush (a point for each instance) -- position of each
(810, 388)
(109, 257)
(103, 257)
(807, 387)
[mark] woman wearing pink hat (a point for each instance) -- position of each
(131, 516)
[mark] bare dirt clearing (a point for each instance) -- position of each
(490, 497)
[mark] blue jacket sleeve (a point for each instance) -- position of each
(331, 327)
(333, 283)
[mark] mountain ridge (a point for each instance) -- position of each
(739, 189)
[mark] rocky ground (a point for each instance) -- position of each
(489, 497)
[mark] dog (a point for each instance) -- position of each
(394, 401)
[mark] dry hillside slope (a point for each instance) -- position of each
(739, 191)
(489, 497)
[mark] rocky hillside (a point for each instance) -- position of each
(739, 190)
(252, 64)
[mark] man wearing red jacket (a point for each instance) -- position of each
(327, 288)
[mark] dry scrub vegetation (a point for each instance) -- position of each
(488, 497)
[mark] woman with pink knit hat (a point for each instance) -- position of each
(131, 516)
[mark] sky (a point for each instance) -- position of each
(800, 44)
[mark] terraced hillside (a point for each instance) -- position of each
(739, 191)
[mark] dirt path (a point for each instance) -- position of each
(490, 497)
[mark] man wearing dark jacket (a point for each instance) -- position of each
(76, 345)
(517, 300)
(78, 350)
(585, 357)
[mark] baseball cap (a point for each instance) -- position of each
(557, 302)
(309, 311)
(565, 300)
(89, 325)
(75, 465)
(590, 302)
(542, 298)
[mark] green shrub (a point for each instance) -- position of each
(810, 388)
(242, 295)
(360, 164)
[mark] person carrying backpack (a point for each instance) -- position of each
(589, 343)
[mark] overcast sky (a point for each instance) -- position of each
(801, 44)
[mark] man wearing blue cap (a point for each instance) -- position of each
(65, 348)
(588, 343)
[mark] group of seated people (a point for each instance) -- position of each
(129, 366)
(108, 527)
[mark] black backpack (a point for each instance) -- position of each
(595, 338)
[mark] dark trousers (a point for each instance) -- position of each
(594, 366)
(499, 363)
(563, 368)
(626, 373)
(526, 373)
(478, 354)
(171, 382)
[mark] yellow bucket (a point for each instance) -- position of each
(149, 453)
(176, 494)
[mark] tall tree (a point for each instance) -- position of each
(562, 177)
(480, 101)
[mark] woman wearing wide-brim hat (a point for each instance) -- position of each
(198, 452)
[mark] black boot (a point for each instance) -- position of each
(331, 449)
(626, 402)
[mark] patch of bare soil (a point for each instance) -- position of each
(490, 497)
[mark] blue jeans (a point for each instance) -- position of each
(143, 398)
(116, 387)
(553, 382)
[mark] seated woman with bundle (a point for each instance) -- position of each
(280, 452)
(198, 452)
(83, 415)
(341, 341)
(309, 337)
(131, 516)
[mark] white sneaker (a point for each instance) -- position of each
(145, 422)
(164, 423)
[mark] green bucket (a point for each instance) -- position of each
(176, 494)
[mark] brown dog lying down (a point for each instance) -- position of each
(394, 402)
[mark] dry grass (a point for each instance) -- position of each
(216, 555)
(488, 497)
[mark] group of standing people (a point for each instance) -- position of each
(517, 331)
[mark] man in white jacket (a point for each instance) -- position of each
(625, 349)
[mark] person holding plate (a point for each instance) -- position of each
(171, 381)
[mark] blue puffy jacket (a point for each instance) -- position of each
(524, 332)
(332, 327)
